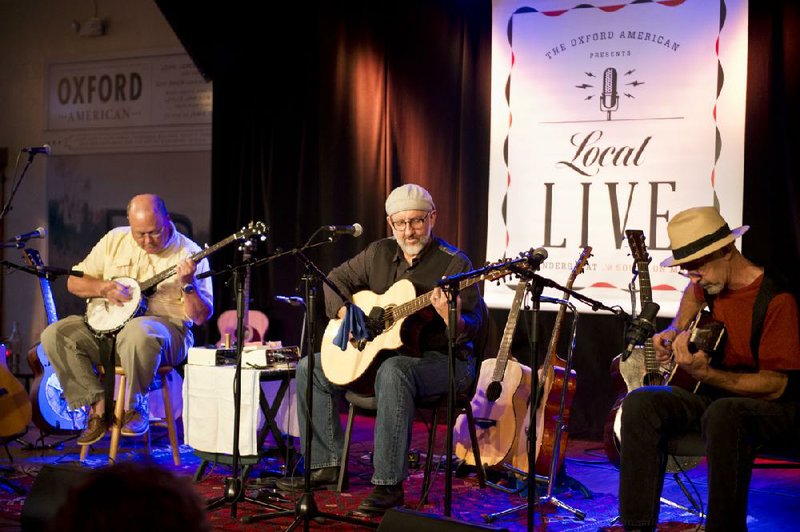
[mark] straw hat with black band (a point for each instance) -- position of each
(697, 232)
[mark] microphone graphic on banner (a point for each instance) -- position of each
(609, 100)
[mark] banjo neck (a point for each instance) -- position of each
(148, 285)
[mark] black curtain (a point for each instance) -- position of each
(321, 109)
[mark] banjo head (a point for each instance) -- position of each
(104, 317)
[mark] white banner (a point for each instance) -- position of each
(607, 117)
(149, 102)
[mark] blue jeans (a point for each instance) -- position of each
(400, 379)
(733, 428)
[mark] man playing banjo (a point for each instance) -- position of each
(150, 245)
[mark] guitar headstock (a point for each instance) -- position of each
(252, 229)
(580, 265)
(33, 258)
(636, 243)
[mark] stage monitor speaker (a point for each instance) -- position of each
(49, 492)
(401, 520)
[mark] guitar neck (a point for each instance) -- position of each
(49, 302)
(551, 348)
(646, 295)
(35, 260)
(200, 255)
(420, 302)
(508, 333)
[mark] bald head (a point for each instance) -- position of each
(149, 221)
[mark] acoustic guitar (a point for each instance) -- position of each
(388, 312)
(51, 413)
(15, 407)
(500, 401)
(705, 334)
(547, 400)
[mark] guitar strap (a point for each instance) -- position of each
(769, 289)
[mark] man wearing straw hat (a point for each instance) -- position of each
(747, 394)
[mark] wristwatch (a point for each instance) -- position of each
(188, 288)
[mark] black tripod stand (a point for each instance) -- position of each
(234, 485)
(306, 508)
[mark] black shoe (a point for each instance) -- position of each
(323, 478)
(381, 499)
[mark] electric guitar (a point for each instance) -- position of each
(51, 413)
(355, 366)
(547, 400)
(501, 399)
(15, 406)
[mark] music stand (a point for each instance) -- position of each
(306, 508)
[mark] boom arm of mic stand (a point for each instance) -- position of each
(593, 303)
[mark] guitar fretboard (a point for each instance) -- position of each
(508, 333)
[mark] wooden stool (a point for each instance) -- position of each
(119, 405)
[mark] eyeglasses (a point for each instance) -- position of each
(415, 223)
(693, 269)
(152, 234)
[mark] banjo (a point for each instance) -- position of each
(106, 318)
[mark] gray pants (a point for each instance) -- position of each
(142, 345)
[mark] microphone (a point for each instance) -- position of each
(642, 327)
(355, 230)
(294, 301)
(39, 232)
(609, 101)
(538, 256)
(46, 149)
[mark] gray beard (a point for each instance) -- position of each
(414, 249)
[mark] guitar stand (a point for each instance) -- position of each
(548, 499)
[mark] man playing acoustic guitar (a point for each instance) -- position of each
(412, 254)
(151, 244)
(747, 394)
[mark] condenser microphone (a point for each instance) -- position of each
(609, 100)
(536, 259)
(355, 230)
(39, 232)
(46, 149)
(642, 327)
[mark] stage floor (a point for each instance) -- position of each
(592, 487)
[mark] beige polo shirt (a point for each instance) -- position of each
(118, 255)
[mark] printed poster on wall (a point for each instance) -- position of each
(607, 117)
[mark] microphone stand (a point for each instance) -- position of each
(234, 489)
(7, 206)
(306, 508)
(452, 288)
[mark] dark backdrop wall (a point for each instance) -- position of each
(320, 110)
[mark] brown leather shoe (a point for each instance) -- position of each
(96, 428)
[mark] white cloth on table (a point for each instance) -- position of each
(208, 409)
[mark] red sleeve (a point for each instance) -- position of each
(779, 349)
